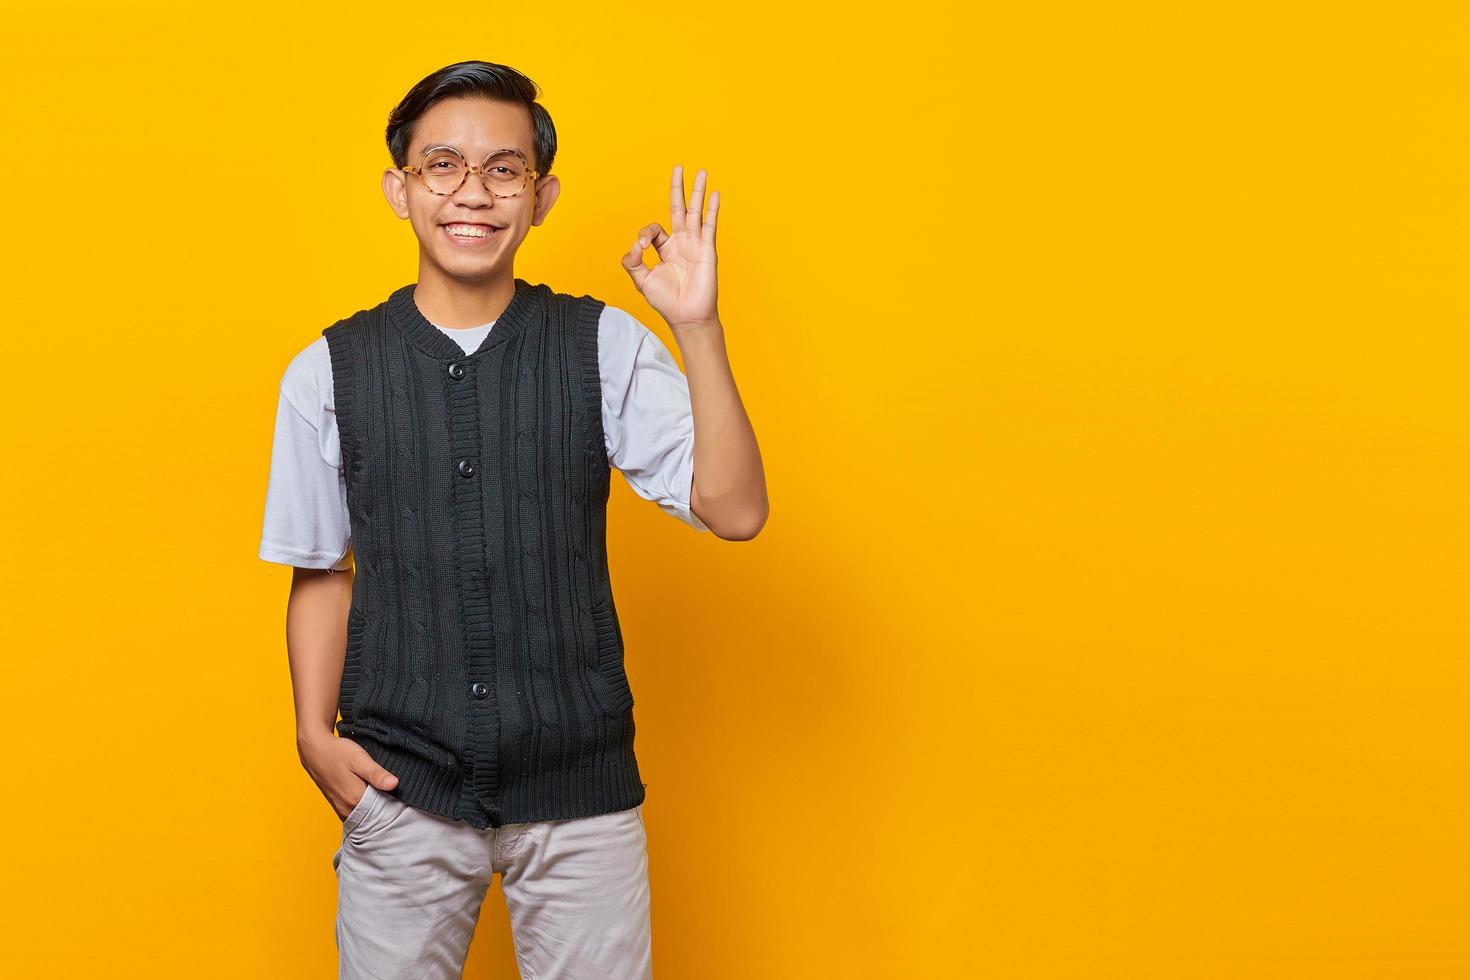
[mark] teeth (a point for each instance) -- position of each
(468, 231)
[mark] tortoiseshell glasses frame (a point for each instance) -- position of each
(528, 179)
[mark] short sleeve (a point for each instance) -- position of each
(306, 522)
(647, 420)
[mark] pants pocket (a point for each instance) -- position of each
(354, 818)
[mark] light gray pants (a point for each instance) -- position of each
(410, 884)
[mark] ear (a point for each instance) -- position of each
(395, 189)
(546, 194)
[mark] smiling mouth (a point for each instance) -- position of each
(470, 233)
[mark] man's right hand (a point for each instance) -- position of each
(341, 769)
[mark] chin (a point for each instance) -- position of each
(465, 270)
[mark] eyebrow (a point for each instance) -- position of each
(451, 146)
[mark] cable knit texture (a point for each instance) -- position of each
(484, 662)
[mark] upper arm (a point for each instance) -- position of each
(305, 523)
(648, 422)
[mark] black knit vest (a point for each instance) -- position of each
(484, 662)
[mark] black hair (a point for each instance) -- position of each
(482, 79)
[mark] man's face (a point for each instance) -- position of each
(475, 127)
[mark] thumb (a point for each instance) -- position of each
(376, 774)
(633, 264)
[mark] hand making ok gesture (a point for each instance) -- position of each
(682, 286)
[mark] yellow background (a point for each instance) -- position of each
(1108, 365)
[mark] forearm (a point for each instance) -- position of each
(316, 643)
(729, 480)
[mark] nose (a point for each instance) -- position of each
(473, 190)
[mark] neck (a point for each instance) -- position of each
(458, 304)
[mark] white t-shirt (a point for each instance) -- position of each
(647, 424)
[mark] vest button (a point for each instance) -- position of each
(456, 370)
(466, 468)
(478, 689)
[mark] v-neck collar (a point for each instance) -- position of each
(428, 338)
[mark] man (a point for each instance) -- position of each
(457, 439)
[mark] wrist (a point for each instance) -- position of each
(697, 326)
(314, 734)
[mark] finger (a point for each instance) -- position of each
(676, 198)
(660, 237)
(692, 220)
(709, 221)
(369, 770)
(377, 775)
(647, 232)
(633, 264)
(652, 234)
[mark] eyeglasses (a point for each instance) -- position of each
(504, 173)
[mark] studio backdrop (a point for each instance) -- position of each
(1108, 363)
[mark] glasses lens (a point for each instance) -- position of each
(443, 170)
(505, 173)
